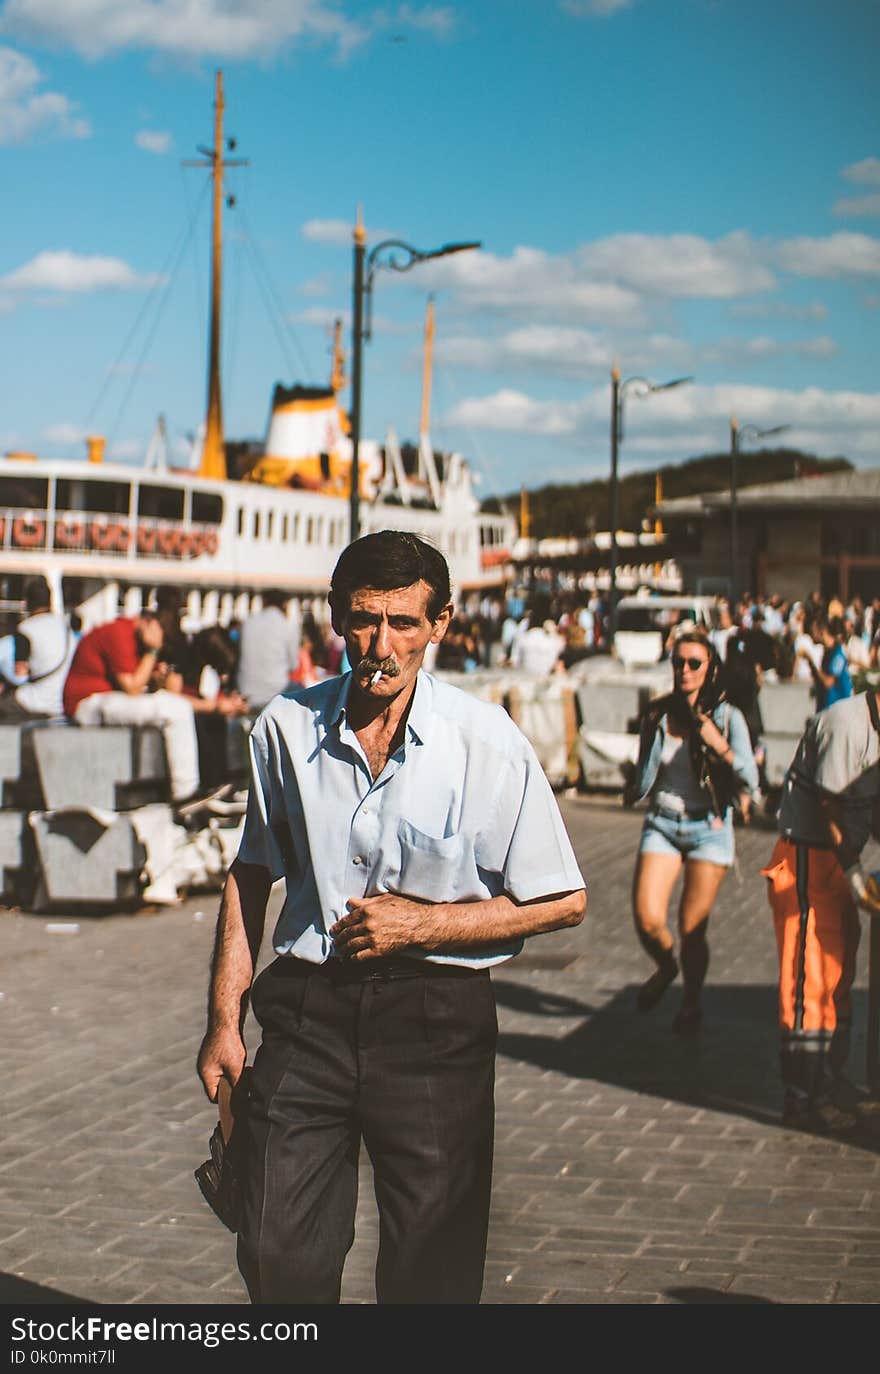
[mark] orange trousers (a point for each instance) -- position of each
(817, 936)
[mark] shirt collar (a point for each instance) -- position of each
(418, 722)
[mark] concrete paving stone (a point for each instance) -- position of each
(784, 1288)
(658, 1209)
(557, 1246)
(742, 1194)
(849, 1290)
(852, 1218)
(632, 1188)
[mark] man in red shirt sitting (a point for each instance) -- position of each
(107, 684)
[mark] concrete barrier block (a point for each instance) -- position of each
(786, 707)
(611, 706)
(606, 757)
(780, 752)
(19, 782)
(109, 767)
(83, 861)
(18, 867)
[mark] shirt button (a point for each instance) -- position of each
(357, 859)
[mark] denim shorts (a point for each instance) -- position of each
(704, 839)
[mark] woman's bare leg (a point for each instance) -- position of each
(653, 881)
(701, 883)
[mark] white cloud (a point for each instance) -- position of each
(153, 141)
(581, 9)
(680, 265)
(839, 255)
(866, 172)
(336, 232)
(689, 419)
(815, 310)
(562, 351)
(858, 205)
(65, 272)
(229, 29)
(64, 433)
(531, 280)
(26, 110)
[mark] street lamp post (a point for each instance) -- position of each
(639, 386)
(394, 256)
(737, 435)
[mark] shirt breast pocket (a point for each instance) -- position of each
(435, 868)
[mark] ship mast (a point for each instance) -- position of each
(213, 462)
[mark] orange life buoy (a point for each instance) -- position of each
(2, 528)
(28, 531)
(169, 540)
(70, 534)
(146, 538)
(211, 541)
(123, 537)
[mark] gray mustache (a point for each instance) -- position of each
(379, 665)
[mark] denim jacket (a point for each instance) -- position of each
(730, 722)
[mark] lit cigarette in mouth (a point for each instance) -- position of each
(376, 676)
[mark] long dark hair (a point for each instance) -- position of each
(676, 704)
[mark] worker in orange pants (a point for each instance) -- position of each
(817, 935)
(817, 886)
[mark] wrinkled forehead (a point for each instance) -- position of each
(412, 600)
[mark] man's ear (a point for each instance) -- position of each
(441, 624)
(335, 618)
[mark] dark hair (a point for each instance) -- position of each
(274, 596)
(388, 560)
(37, 596)
(213, 647)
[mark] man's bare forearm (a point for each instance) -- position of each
(237, 946)
(388, 923)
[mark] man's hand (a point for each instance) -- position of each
(864, 889)
(222, 1055)
(381, 925)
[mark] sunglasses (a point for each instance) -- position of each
(693, 663)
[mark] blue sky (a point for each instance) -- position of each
(691, 187)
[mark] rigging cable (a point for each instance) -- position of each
(280, 323)
(152, 333)
(148, 302)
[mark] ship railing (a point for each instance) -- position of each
(90, 532)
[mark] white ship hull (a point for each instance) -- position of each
(124, 531)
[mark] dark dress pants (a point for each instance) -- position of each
(406, 1064)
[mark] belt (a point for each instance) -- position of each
(371, 970)
(669, 815)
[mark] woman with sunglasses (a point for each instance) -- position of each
(695, 759)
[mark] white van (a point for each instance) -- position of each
(644, 622)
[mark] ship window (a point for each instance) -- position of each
(107, 498)
(296, 525)
(319, 529)
(30, 493)
(256, 524)
(285, 527)
(162, 503)
(207, 508)
(309, 529)
(270, 521)
(241, 519)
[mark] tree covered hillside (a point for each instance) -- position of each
(581, 508)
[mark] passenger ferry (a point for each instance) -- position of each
(108, 535)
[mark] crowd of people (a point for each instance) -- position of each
(148, 669)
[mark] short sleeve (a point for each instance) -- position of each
(838, 761)
(525, 840)
(265, 824)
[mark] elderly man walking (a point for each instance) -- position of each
(420, 843)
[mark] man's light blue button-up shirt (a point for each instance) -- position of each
(461, 812)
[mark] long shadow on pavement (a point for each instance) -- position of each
(21, 1292)
(731, 1066)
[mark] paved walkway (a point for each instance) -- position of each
(631, 1166)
